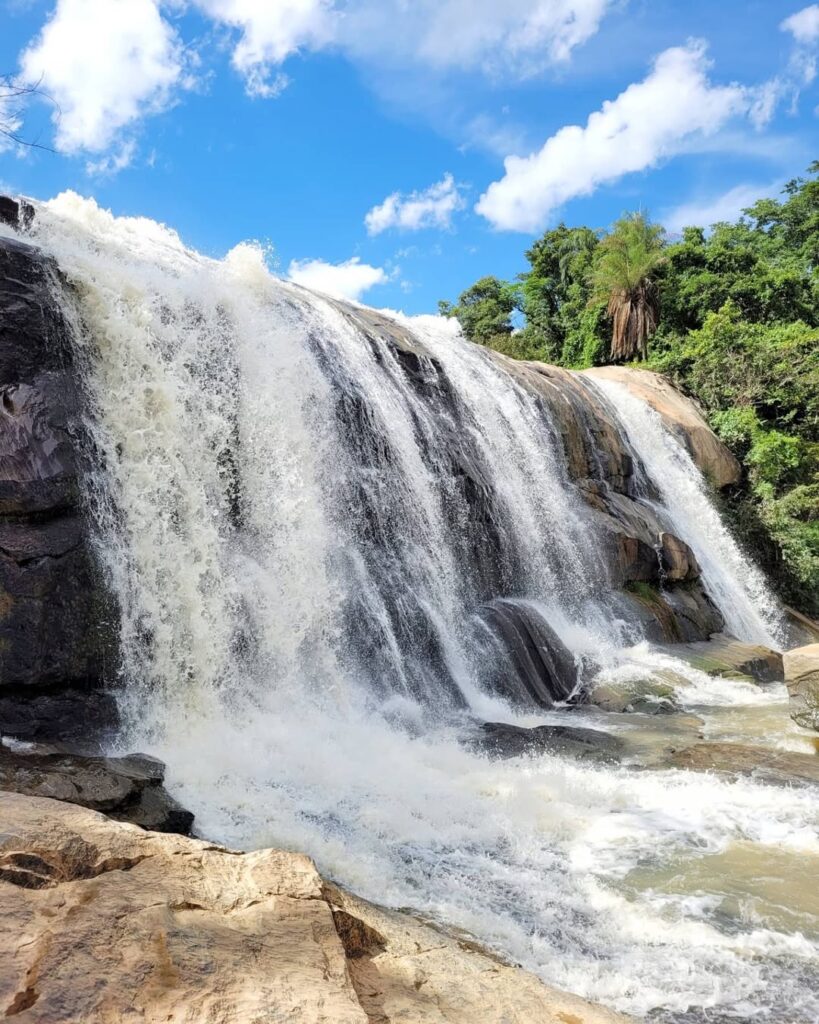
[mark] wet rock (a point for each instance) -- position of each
(645, 697)
(57, 623)
(122, 924)
(501, 740)
(85, 719)
(17, 213)
(725, 656)
(126, 788)
(801, 667)
(734, 760)
(677, 559)
(802, 629)
(544, 669)
(681, 416)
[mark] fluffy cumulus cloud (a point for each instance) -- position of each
(105, 63)
(804, 25)
(649, 121)
(108, 63)
(348, 280)
(431, 208)
(271, 31)
(517, 36)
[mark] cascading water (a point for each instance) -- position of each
(736, 585)
(302, 526)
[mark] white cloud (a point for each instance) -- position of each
(348, 280)
(108, 63)
(726, 206)
(517, 36)
(431, 208)
(804, 25)
(105, 63)
(649, 121)
(272, 30)
(112, 163)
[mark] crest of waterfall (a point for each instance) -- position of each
(330, 551)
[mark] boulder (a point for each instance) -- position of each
(802, 679)
(773, 767)
(538, 665)
(681, 416)
(105, 922)
(644, 696)
(126, 788)
(498, 739)
(725, 656)
(678, 561)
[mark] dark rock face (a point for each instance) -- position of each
(126, 788)
(56, 622)
(501, 740)
(85, 719)
(544, 668)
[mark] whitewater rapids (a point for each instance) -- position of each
(243, 670)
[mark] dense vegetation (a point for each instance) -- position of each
(732, 315)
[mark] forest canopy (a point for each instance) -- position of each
(729, 311)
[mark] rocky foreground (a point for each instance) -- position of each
(105, 923)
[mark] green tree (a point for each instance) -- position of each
(624, 275)
(485, 310)
(555, 295)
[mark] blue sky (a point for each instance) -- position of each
(396, 150)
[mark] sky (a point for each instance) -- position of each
(394, 151)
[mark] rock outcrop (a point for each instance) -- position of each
(802, 680)
(735, 760)
(104, 922)
(681, 416)
(125, 788)
(499, 739)
(599, 462)
(725, 656)
(56, 620)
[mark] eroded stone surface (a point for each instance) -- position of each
(725, 656)
(682, 416)
(774, 767)
(105, 923)
(802, 679)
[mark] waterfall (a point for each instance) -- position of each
(735, 584)
(308, 530)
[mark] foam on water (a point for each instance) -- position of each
(236, 516)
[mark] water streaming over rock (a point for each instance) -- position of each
(337, 538)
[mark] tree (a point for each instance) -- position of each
(555, 295)
(624, 275)
(484, 310)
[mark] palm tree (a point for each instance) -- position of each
(624, 278)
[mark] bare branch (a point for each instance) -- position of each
(14, 98)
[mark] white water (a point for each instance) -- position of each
(244, 676)
(737, 587)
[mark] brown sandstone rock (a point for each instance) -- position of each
(774, 767)
(106, 924)
(802, 680)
